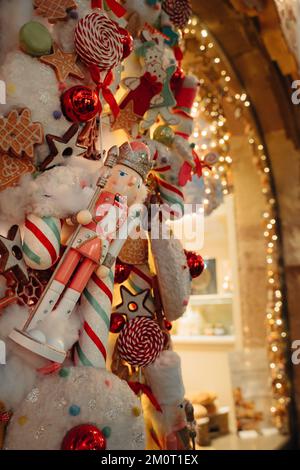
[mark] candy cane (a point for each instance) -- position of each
(140, 279)
(170, 195)
(91, 350)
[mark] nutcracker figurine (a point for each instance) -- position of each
(103, 228)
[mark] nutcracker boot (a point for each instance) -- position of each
(31, 341)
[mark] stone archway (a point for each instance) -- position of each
(275, 120)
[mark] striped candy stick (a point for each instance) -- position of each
(140, 279)
(170, 195)
(96, 303)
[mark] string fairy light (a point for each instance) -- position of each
(219, 85)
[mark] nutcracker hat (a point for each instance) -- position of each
(135, 155)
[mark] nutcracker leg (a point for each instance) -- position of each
(56, 287)
(76, 287)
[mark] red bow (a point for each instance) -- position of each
(137, 387)
(187, 170)
(115, 7)
(103, 87)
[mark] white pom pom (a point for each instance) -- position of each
(84, 217)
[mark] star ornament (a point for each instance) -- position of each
(11, 255)
(64, 63)
(62, 148)
(133, 305)
(126, 119)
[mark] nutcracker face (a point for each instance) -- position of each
(125, 181)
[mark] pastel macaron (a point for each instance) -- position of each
(35, 39)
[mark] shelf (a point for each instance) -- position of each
(202, 339)
(211, 299)
(233, 442)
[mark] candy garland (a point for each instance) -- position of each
(91, 350)
(140, 342)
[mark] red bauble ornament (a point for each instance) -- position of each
(168, 325)
(80, 103)
(84, 437)
(195, 263)
(122, 272)
(117, 321)
(127, 41)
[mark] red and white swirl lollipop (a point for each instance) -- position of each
(140, 342)
(98, 41)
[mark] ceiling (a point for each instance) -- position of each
(256, 48)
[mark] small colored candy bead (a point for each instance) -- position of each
(57, 114)
(136, 411)
(106, 431)
(74, 410)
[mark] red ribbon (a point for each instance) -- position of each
(115, 7)
(104, 88)
(185, 173)
(137, 388)
(5, 416)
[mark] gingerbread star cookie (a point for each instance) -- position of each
(11, 255)
(53, 10)
(18, 134)
(64, 63)
(11, 169)
(126, 120)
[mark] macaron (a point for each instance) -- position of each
(35, 39)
